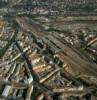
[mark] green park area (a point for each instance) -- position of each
(3, 4)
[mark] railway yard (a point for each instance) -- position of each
(48, 57)
(35, 59)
